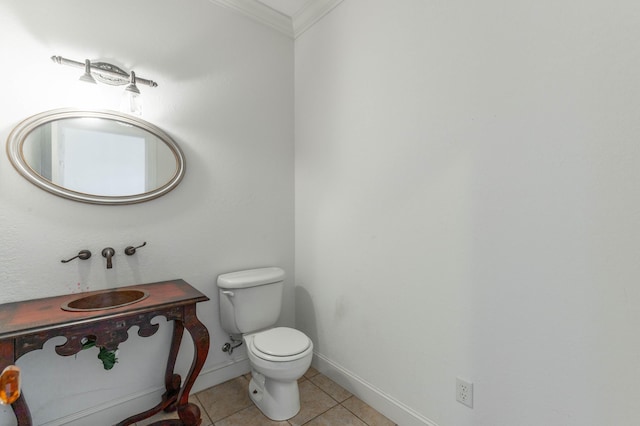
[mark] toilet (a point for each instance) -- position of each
(250, 304)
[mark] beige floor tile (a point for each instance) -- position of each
(165, 416)
(366, 413)
(334, 390)
(226, 398)
(311, 372)
(338, 415)
(313, 401)
(250, 416)
(228, 404)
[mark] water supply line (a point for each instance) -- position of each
(230, 346)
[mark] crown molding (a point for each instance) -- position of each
(261, 13)
(289, 26)
(310, 14)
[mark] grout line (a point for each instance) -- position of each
(357, 416)
(195, 395)
(338, 403)
(226, 417)
(320, 389)
(235, 412)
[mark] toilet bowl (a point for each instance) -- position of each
(250, 304)
(278, 358)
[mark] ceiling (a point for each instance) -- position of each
(290, 17)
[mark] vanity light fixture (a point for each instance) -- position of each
(110, 74)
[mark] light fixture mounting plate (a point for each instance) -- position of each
(110, 78)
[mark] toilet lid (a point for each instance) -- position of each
(281, 341)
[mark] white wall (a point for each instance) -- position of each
(226, 96)
(467, 205)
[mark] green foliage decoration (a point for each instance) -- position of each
(107, 357)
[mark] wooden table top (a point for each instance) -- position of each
(35, 315)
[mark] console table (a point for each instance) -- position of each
(26, 326)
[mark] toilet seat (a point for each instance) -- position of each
(280, 344)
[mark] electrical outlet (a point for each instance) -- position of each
(464, 392)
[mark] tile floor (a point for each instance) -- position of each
(322, 403)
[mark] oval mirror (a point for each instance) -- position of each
(99, 157)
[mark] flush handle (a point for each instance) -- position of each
(229, 295)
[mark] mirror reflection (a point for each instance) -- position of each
(96, 156)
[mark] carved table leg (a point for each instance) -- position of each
(190, 413)
(172, 381)
(20, 408)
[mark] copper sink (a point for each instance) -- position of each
(108, 299)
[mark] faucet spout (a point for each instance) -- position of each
(108, 253)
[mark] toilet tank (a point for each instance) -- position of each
(250, 300)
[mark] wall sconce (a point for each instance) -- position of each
(110, 74)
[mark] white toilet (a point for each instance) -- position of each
(250, 303)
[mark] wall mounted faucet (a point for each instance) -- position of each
(108, 253)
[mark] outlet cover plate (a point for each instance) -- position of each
(464, 392)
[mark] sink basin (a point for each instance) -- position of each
(108, 299)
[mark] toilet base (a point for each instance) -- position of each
(276, 399)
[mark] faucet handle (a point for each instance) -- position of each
(131, 250)
(82, 255)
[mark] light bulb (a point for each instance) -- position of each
(131, 100)
(131, 103)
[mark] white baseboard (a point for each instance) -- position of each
(113, 411)
(385, 404)
(116, 410)
(221, 373)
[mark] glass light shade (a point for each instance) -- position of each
(131, 103)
